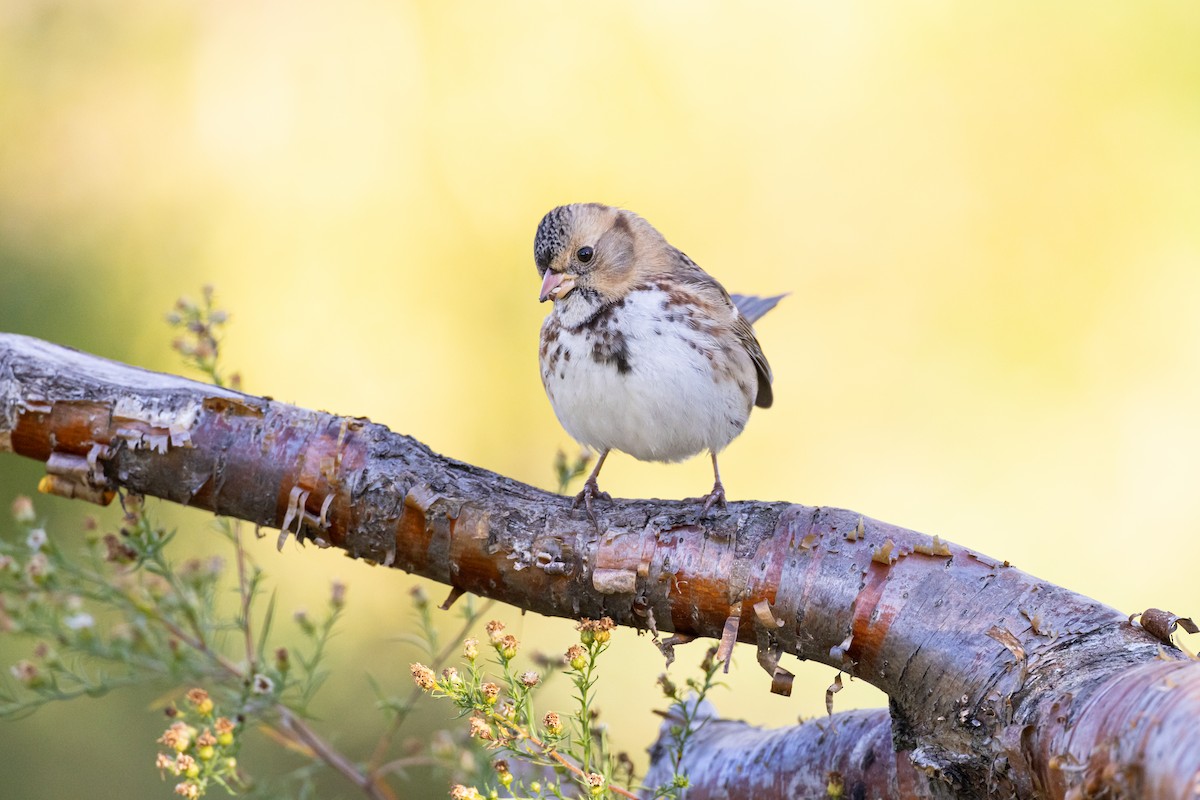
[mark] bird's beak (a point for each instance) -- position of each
(556, 286)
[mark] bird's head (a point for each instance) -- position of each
(589, 252)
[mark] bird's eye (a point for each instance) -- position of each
(585, 254)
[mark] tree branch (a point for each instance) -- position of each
(999, 682)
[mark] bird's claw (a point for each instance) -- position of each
(591, 491)
(714, 498)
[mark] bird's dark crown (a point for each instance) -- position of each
(553, 235)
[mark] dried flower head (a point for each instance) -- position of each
(471, 649)
(460, 792)
(262, 684)
(186, 765)
(507, 647)
(490, 692)
(188, 790)
(117, 551)
(451, 676)
(835, 785)
(337, 594)
(502, 772)
(576, 657)
(201, 701)
(552, 723)
(22, 510)
(38, 567)
(479, 729)
(27, 673)
(224, 729)
(595, 630)
(530, 679)
(668, 686)
(423, 676)
(494, 630)
(178, 737)
(708, 662)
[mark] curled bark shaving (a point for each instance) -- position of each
(999, 682)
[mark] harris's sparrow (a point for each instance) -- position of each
(643, 352)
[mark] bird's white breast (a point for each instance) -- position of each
(641, 380)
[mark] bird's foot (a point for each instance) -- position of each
(714, 498)
(591, 491)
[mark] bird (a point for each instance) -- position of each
(643, 352)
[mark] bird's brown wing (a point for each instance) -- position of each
(745, 335)
(711, 290)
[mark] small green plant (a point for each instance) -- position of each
(685, 718)
(501, 716)
(201, 328)
(121, 612)
(567, 471)
(201, 747)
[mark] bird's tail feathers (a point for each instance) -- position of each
(753, 308)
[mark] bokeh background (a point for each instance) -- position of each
(987, 215)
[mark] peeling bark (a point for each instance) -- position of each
(1000, 684)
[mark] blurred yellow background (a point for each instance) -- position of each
(987, 215)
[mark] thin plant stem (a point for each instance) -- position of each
(554, 754)
(244, 592)
(389, 735)
(326, 752)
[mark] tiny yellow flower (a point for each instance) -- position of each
(502, 773)
(200, 699)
